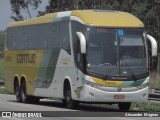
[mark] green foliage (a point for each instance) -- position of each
(3, 91)
(20, 6)
(1, 69)
(2, 39)
(144, 106)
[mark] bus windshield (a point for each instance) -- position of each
(116, 52)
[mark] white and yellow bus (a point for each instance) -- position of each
(93, 56)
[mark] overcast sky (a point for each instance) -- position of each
(5, 12)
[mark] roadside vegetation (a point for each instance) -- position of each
(3, 91)
(155, 77)
(155, 108)
(2, 39)
(1, 69)
(136, 107)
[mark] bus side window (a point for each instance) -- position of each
(11, 38)
(64, 39)
(52, 37)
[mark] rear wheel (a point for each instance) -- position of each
(17, 92)
(69, 102)
(124, 106)
(26, 98)
(24, 93)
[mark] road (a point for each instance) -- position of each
(8, 103)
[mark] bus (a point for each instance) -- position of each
(79, 56)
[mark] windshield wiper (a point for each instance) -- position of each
(133, 76)
(100, 75)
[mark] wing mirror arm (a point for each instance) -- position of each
(153, 45)
(82, 42)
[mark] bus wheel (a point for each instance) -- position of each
(24, 93)
(124, 106)
(69, 102)
(17, 92)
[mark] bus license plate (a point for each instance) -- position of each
(119, 96)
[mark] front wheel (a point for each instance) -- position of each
(69, 102)
(124, 106)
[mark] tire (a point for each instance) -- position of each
(69, 102)
(124, 106)
(25, 98)
(17, 92)
(64, 102)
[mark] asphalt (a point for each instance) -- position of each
(8, 103)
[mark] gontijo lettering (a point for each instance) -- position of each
(26, 58)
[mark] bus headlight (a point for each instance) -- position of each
(143, 85)
(91, 84)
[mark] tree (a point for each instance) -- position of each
(153, 19)
(62, 5)
(2, 39)
(22, 7)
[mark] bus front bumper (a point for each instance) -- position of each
(91, 94)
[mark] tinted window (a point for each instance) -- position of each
(64, 39)
(41, 36)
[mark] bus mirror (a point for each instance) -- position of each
(82, 42)
(153, 45)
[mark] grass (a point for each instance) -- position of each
(136, 107)
(154, 108)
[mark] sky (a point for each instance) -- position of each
(5, 12)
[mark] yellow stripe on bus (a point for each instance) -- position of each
(106, 82)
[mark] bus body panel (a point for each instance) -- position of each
(64, 70)
(22, 64)
(45, 70)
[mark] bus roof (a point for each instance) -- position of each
(106, 18)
